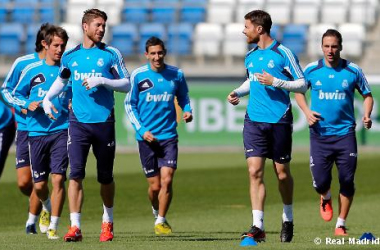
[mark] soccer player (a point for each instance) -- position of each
(47, 138)
(332, 81)
(95, 70)
(7, 133)
(151, 110)
(273, 70)
(24, 177)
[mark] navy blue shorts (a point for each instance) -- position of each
(48, 154)
(101, 136)
(327, 150)
(7, 135)
(158, 154)
(22, 149)
(269, 140)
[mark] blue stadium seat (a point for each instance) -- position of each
(25, 2)
(180, 38)
(275, 32)
(11, 36)
(196, 1)
(23, 14)
(295, 38)
(3, 14)
(47, 14)
(164, 14)
(192, 14)
(136, 15)
(31, 32)
(124, 37)
(150, 29)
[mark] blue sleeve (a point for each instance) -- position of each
(22, 91)
(9, 84)
(292, 64)
(64, 71)
(183, 93)
(362, 84)
(118, 64)
(131, 102)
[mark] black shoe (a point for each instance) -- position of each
(287, 231)
(254, 232)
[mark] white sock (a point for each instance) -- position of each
(107, 214)
(340, 222)
(159, 220)
(327, 196)
(53, 222)
(155, 212)
(287, 213)
(46, 205)
(32, 219)
(75, 219)
(258, 219)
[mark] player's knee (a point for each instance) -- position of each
(25, 184)
(322, 186)
(347, 188)
(283, 176)
(155, 187)
(40, 186)
(57, 180)
(255, 173)
(105, 180)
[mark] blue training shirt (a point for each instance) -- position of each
(150, 103)
(10, 83)
(5, 115)
(94, 105)
(34, 83)
(332, 95)
(267, 103)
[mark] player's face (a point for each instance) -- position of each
(331, 49)
(95, 30)
(252, 32)
(55, 50)
(155, 56)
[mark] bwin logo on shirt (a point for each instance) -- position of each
(165, 97)
(41, 92)
(81, 76)
(252, 77)
(332, 95)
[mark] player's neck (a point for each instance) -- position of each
(88, 43)
(265, 41)
(49, 61)
(41, 54)
(333, 64)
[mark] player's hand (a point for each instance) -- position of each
(149, 137)
(187, 117)
(92, 82)
(48, 107)
(34, 105)
(367, 122)
(70, 104)
(313, 117)
(24, 111)
(265, 78)
(233, 98)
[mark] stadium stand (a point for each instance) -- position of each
(11, 37)
(150, 29)
(124, 37)
(180, 38)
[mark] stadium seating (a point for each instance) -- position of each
(295, 38)
(363, 12)
(234, 42)
(148, 30)
(315, 39)
(3, 14)
(220, 11)
(135, 14)
(164, 13)
(353, 39)
(207, 37)
(31, 32)
(11, 37)
(192, 13)
(75, 33)
(306, 11)
(180, 39)
(23, 14)
(279, 11)
(124, 37)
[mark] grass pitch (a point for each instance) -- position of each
(210, 208)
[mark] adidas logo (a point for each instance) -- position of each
(145, 85)
(74, 64)
(318, 83)
(250, 65)
(37, 80)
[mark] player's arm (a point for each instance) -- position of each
(130, 105)
(183, 98)
(55, 89)
(241, 91)
(312, 117)
(9, 83)
(22, 94)
(120, 85)
(368, 106)
(296, 86)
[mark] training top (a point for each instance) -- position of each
(10, 82)
(94, 105)
(5, 115)
(150, 103)
(34, 83)
(332, 95)
(267, 103)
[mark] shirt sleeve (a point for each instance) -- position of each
(22, 91)
(118, 67)
(9, 84)
(183, 93)
(64, 71)
(291, 64)
(131, 102)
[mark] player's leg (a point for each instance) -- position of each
(25, 183)
(321, 162)
(104, 151)
(153, 191)
(58, 165)
(346, 162)
(255, 137)
(78, 146)
(7, 135)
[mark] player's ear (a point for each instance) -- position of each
(44, 44)
(84, 27)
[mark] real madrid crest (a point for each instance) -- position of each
(345, 83)
(100, 62)
(271, 64)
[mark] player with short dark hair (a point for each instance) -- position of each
(273, 71)
(24, 177)
(332, 82)
(151, 109)
(95, 71)
(47, 138)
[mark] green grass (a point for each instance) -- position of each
(210, 207)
